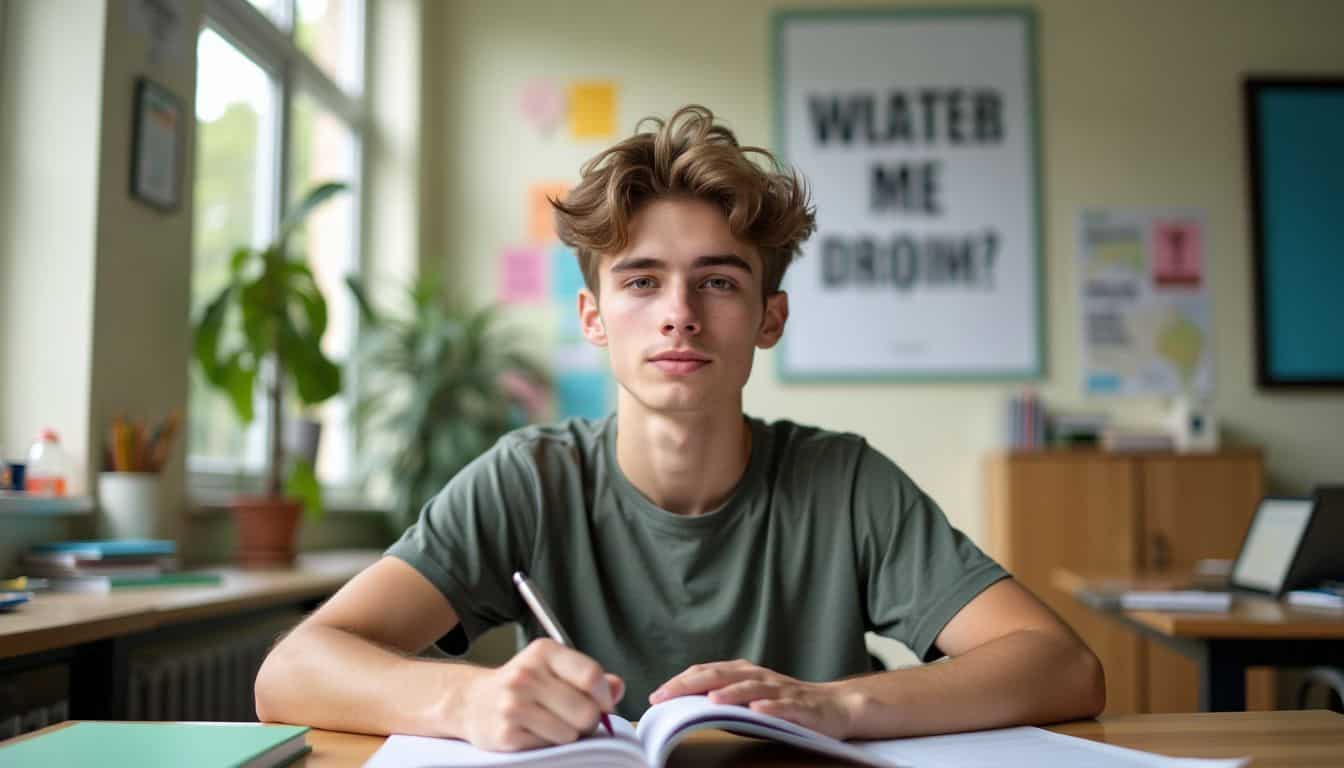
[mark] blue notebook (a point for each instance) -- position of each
(160, 745)
(94, 549)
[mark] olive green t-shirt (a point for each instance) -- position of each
(822, 539)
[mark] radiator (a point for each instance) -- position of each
(202, 678)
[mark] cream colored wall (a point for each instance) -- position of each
(50, 99)
(143, 274)
(1140, 107)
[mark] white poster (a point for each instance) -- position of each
(1143, 298)
(916, 133)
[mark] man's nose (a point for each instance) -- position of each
(681, 318)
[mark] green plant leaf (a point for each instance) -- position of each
(238, 261)
(238, 382)
(208, 329)
(367, 314)
(315, 196)
(302, 484)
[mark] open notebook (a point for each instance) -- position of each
(666, 724)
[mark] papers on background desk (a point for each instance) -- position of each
(1183, 600)
(1028, 748)
(1176, 600)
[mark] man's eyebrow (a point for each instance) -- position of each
(635, 264)
(722, 260)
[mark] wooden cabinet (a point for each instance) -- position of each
(1123, 514)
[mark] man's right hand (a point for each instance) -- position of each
(546, 694)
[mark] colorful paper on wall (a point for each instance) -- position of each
(582, 382)
(1144, 303)
(522, 274)
(592, 109)
(540, 214)
(566, 282)
(542, 103)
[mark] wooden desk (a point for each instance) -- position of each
(92, 633)
(1313, 739)
(1256, 632)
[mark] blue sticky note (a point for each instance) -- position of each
(566, 282)
(582, 393)
(566, 277)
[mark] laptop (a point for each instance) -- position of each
(1292, 543)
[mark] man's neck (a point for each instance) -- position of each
(685, 463)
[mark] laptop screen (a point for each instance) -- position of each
(1271, 544)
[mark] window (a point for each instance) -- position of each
(278, 108)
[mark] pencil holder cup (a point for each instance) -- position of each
(130, 504)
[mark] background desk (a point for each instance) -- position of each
(102, 641)
(1275, 739)
(1257, 631)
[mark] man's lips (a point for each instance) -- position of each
(679, 363)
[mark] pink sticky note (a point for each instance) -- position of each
(542, 103)
(1178, 253)
(522, 274)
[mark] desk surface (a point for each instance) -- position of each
(1313, 739)
(1251, 617)
(59, 620)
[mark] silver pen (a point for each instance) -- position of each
(548, 621)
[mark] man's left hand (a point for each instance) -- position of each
(823, 707)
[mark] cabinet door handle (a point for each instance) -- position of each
(1160, 555)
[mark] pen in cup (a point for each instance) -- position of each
(548, 621)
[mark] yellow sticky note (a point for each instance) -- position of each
(592, 109)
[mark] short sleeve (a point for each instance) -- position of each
(918, 571)
(472, 536)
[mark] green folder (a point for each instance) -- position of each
(151, 745)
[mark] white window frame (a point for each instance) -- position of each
(270, 44)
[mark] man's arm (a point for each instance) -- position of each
(1012, 663)
(350, 667)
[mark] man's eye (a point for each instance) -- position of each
(641, 283)
(720, 284)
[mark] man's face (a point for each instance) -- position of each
(680, 309)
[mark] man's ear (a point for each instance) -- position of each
(772, 325)
(590, 319)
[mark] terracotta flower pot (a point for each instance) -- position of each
(267, 529)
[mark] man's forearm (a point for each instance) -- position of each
(1027, 677)
(327, 678)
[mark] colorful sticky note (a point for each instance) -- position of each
(540, 214)
(592, 109)
(582, 393)
(522, 274)
(1177, 253)
(566, 282)
(542, 103)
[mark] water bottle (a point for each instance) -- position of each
(49, 466)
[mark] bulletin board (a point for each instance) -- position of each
(1295, 138)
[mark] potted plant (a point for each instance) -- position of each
(440, 384)
(264, 328)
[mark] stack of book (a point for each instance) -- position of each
(1024, 423)
(98, 566)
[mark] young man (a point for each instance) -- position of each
(685, 547)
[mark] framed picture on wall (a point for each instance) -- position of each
(156, 145)
(916, 131)
(1295, 139)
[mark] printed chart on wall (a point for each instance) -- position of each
(916, 132)
(1143, 287)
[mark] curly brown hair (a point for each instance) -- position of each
(687, 156)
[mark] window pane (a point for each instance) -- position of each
(324, 149)
(275, 10)
(330, 31)
(235, 114)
